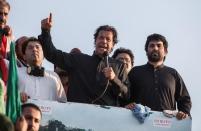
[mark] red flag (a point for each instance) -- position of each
(3, 68)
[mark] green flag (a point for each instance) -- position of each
(13, 104)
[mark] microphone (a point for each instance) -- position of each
(106, 55)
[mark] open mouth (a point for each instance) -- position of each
(155, 53)
(102, 47)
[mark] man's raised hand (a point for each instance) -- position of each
(47, 22)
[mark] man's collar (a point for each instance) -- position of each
(96, 56)
(99, 56)
(152, 66)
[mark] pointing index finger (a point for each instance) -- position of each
(50, 17)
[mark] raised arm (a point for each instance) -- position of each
(50, 52)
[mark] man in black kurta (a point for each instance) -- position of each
(90, 78)
(158, 86)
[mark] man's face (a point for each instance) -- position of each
(33, 118)
(104, 42)
(125, 58)
(3, 16)
(156, 51)
(34, 54)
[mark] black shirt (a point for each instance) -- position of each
(160, 89)
(82, 69)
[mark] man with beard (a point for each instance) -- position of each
(93, 78)
(158, 86)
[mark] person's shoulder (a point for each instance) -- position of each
(49, 73)
(139, 67)
(80, 56)
(22, 69)
(170, 69)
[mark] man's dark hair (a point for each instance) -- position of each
(124, 50)
(75, 51)
(17, 43)
(24, 46)
(107, 28)
(32, 106)
(156, 37)
(4, 3)
(6, 123)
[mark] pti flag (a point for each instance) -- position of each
(13, 104)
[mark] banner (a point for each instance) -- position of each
(87, 117)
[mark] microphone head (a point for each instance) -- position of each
(106, 55)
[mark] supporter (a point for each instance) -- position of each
(34, 81)
(126, 56)
(156, 85)
(30, 119)
(5, 39)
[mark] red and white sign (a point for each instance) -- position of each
(162, 122)
(46, 109)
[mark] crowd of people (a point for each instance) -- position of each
(93, 79)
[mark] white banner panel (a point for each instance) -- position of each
(87, 117)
